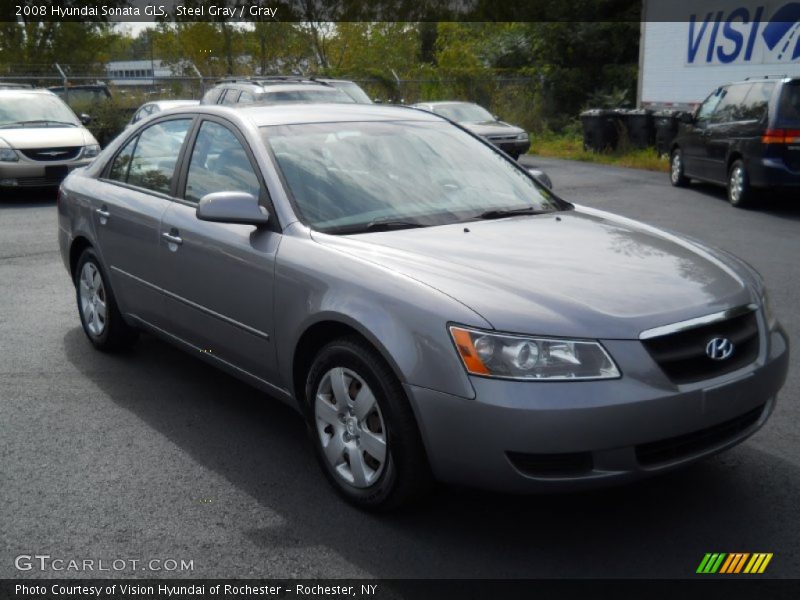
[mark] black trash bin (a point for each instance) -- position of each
(600, 129)
(666, 123)
(640, 127)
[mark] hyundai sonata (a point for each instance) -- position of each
(430, 308)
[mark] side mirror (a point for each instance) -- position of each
(85, 119)
(232, 207)
(687, 118)
(541, 177)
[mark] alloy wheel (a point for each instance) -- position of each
(351, 428)
(93, 299)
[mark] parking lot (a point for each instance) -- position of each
(154, 455)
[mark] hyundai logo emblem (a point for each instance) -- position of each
(719, 348)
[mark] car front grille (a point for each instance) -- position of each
(682, 446)
(501, 138)
(682, 355)
(552, 465)
(52, 154)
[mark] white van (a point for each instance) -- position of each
(41, 139)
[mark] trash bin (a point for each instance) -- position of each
(640, 127)
(600, 129)
(666, 125)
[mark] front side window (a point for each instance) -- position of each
(351, 177)
(709, 105)
(153, 162)
(219, 164)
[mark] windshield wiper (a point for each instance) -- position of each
(377, 225)
(35, 122)
(499, 213)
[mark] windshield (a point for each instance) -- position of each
(332, 95)
(352, 90)
(349, 177)
(41, 110)
(463, 113)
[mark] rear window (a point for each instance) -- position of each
(789, 106)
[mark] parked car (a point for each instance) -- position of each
(10, 85)
(82, 94)
(273, 90)
(155, 107)
(745, 136)
(41, 139)
(429, 308)
(509, 138)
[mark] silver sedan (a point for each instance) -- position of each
(430, 309)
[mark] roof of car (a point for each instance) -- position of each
(441, 103)
(17, 92)
(165, 104)
(288, 114)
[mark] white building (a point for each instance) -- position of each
(139, 72)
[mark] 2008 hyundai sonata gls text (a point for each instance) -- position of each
(432, 311)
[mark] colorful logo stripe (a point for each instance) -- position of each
(734, 563)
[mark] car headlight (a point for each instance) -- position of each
(91, 151)
(769, 316)
(508, 356)
(7, 153)
(522, 137)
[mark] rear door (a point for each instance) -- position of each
(221, 276)
(134, 191)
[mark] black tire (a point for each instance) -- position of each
(740, 193)
(677, 175)
(116, 334)
(405, 475)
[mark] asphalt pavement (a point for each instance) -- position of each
(152, 455)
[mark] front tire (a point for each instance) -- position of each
(363, 429)
(101, 320)
(677, 176)
(740, 194)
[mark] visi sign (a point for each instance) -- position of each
(753, 34)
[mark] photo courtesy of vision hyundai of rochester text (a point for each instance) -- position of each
(431, 309)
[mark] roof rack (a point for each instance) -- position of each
(784, 76)
(271, 80)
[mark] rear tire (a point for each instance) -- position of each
(101, 320)
(740, 193)
(677, 175)
(363, 429)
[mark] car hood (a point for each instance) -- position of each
(46, 137)
(582, 272)
(493, 128)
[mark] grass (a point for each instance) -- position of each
(571, 147)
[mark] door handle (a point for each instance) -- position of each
(172, 238)
(103, 214)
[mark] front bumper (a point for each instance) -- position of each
(26, 174)
(539, 436)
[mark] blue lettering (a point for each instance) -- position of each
(735, 36)
(753, 31)
(694, 44)
(713, 41)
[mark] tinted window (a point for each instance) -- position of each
(732, 106)
(332, 95)
(789, 105)
(154, 159)
(219, 164)
(707, 108)
(119, 168)
(757, 101)
(230, 96)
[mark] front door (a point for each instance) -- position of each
(221, 276)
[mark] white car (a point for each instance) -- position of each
(151, 108)
(41, 139)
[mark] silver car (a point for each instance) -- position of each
(430, 309)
